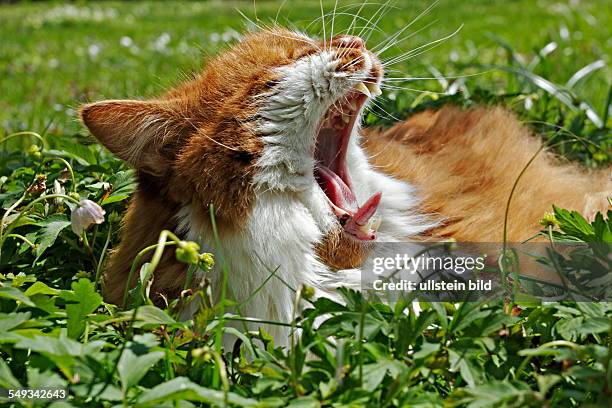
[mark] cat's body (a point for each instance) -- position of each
(268, 136)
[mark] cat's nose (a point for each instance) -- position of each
(348, 41)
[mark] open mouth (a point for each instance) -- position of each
(331, 171)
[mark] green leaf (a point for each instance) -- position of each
(181, 388)
(7, 380)
(132, 368)
(602, 228)
(123, 184)
(574, 224)
(51, 227)
(82, 300)
(584, 72)
(12, 320)
(569, 328)
(426, 350)
(460, 359)
(149, 315)
(304, 402)
(40, 288)
(496, 392)
(63, 351)
(374, 374)
(38, 379)
(9, 292)
(67, 148)
(592, 325)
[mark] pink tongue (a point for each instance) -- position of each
(354, 225)
(367, 210)
(336, 189)
(343, 197)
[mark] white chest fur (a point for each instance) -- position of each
(279, 239)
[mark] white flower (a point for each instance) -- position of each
(94, 50)
(126, 41)
(84, 215)
(58, 189)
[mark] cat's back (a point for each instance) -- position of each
(464, 164)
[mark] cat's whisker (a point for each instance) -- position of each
(293, 38)
(379, 106)
(378, 30)
(352, 63)
(279, 10)
(355, 17)
(378, 15)
(384, 85)
(408, 57)
(248, 18)
(392, 39)
(272, 30)
(323, 25)
(331, 31)
(385, 9)
(401, 40)
(368, 23)
(393, 79)
(411, 53)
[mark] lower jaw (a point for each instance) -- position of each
(339, 250)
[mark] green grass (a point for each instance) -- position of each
(48, 69)
(55, 330)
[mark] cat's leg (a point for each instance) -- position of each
(464, 164)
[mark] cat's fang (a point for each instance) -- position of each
(375, 223)
(367, 229)
(362, 88)
(374, 88)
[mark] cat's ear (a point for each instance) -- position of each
(146, 134)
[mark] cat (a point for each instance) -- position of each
(268, 136)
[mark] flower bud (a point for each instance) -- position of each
(86, 213)
(188, 252)
(308, 292)
(58, 189)
(34, 151)
(206, 261)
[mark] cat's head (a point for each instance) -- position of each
(275, 113)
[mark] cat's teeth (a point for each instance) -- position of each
(353, 105)
(361, 87)
(371, 226)
(375, 223)
(346, 118)
(367, 228)
(373, 88)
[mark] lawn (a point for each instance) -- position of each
(546, 60)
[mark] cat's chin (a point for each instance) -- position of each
(331, 170)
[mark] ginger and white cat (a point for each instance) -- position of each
(269, 136)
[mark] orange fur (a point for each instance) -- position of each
(464, 164)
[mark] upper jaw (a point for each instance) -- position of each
(331, 170)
